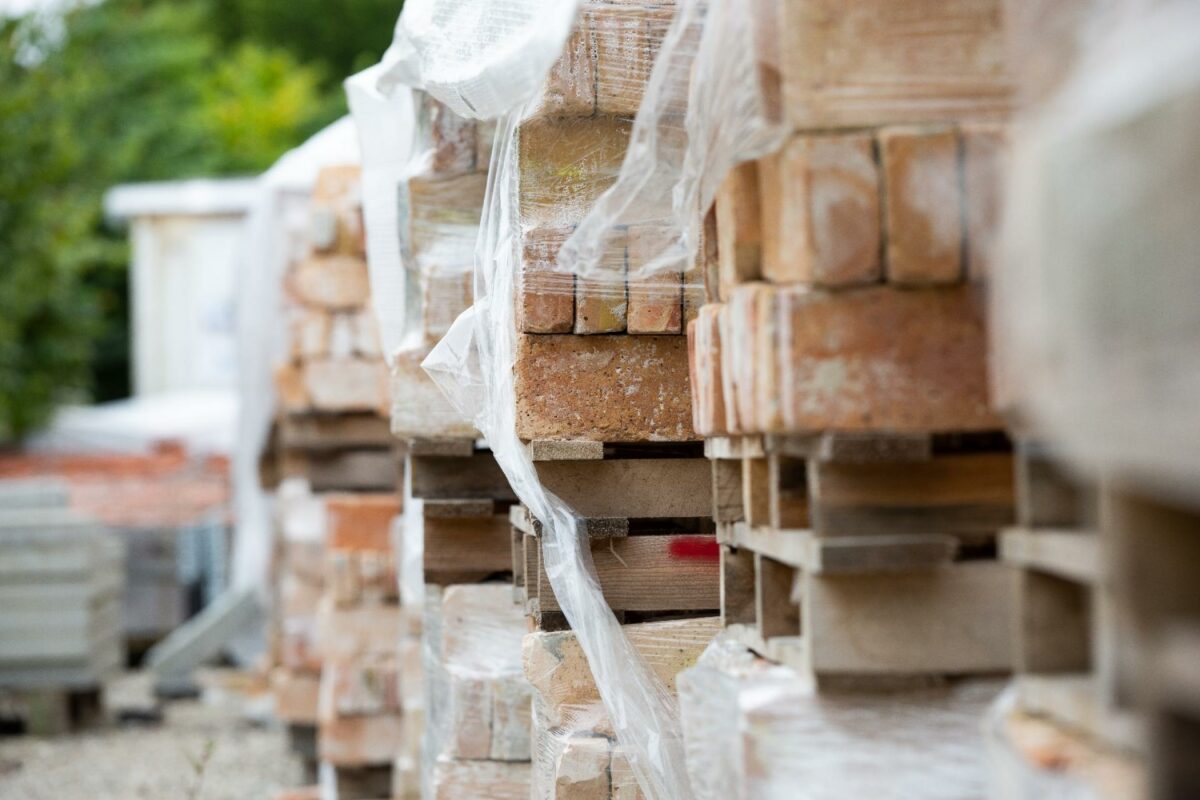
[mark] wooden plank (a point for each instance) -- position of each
(737, 587)
(449, 478)
(756, 492)
(787, 492)
(651, 573)
(632, 488)
(946, 621)
(462, 447)
(775, 613)
(468, 545)
(457, 509)
(334, 431)
(1054, 624)
(865, 448)
(727, 491)
(949, 494)
(858, 555)
(354, 470)
(1074, 555)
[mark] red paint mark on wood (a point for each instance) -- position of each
(695, 548)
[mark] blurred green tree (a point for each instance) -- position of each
(122, 90)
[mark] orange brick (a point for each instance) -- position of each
(820, 207)
(883, 359)
(289, 386)
(626, 40)
(360, 741)
(704, 360)
(451, 139)
(570, 88)
(923, 207)
(361, 521)
(334, 282)
(602, 302)
(739, 233)
(603, 388)
(655, 301)
(295, 694)
(546, 295)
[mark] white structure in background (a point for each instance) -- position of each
(187, 239)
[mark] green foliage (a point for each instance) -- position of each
(123, 90)
(343, 36)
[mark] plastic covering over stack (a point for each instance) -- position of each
(810, 189)
(331, 424)
(337, 626)
(1095, 340)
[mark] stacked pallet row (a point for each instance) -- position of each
(336, 678)
(360, 725)
(61, 584)
(840, 378)
(603, 407)
(459, 620)
(1107, 541)
(331, 426)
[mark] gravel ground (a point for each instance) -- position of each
(203, 750)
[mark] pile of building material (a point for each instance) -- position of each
(61, 585)
(804, 515)
(1097, 373)
(840, 379)
(332, 389)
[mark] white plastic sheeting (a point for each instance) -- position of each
(489, 59)
(272, 228)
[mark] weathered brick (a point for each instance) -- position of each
(923, 206)
(565, 164)
(603, 388)
(351, 384)
(602, 302)
(655, 301)
(545, 295)
(883, 359)
(570, 88)
(820, 208)
(873, 62)
(333, 282)
(627, 40)
(360, 521)
(451, 139)
(704, 354)
(739, 232)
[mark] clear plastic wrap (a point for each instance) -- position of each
(757, 731)
(477, 698)
(555, 151)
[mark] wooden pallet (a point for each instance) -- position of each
(1066, 654)
(465, 500)
(865, 556)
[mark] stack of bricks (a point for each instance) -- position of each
(840, 371)
(575, 743)
(603, 403)
(298, 583)
(441, 202)
(360, 728)
(597, 358)
(478, 701)
(331, 426)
